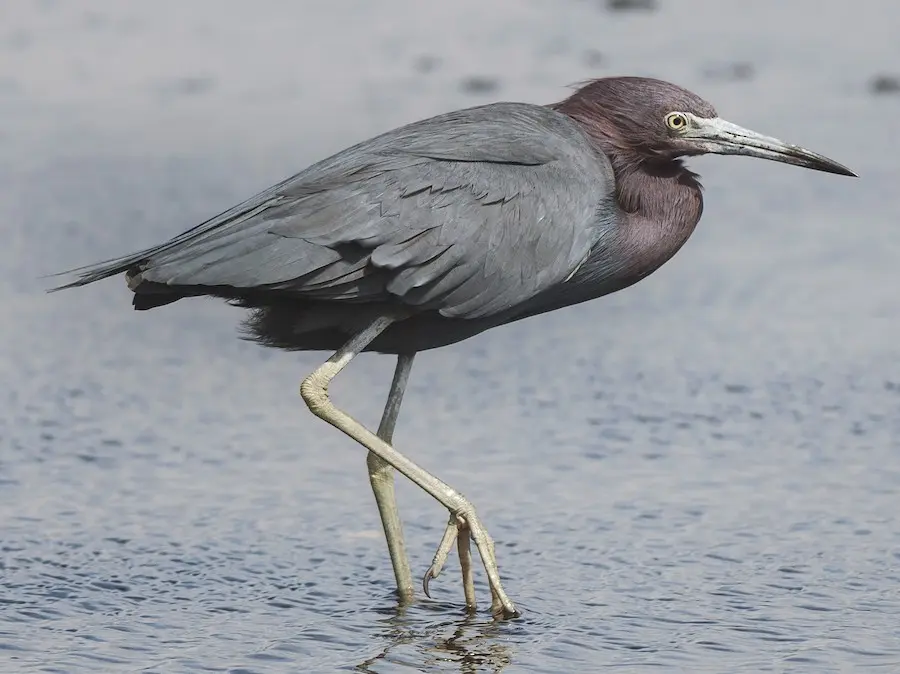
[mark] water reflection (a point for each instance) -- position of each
(470, 644)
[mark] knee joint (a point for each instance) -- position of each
(314, 391)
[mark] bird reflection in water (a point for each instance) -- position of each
(474, 645)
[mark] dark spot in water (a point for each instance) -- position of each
(187, 86)
(9, 86)
(110, 585)
(18, 40)
(715, 646)
(791, 570)
(740, 71)
(815, 607)
(556, 46)
(649, 418)
(93, 20)
(885, 84)
(426, 64)
(593, 58)
(708, 418)
(479, 84)
(631, 5)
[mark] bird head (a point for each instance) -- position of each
(638, 119)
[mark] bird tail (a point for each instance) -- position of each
(133, 264)
(101, 270)
(147, 294)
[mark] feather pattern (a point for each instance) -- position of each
(469, 214)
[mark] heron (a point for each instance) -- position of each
(438, 230)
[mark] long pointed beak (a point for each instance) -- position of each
(721, 137)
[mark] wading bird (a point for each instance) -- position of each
(441, 229)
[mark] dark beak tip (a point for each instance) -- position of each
(839, 169)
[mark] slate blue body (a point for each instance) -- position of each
(469, 215)
(457, 223)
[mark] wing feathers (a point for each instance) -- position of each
(468, 213)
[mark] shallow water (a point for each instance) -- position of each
(698, 474)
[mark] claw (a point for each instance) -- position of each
(440, 557)
(426, 579)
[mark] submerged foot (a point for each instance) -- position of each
(460, 529)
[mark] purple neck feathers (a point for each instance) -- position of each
(660, 199)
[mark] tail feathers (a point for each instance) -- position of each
(146, 295)
(102, 270)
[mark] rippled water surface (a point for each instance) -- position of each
(697, 474)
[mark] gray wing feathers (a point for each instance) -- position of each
(469, 213)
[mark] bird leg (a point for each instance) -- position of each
(381, 477)
(457, 531)
(314, 390)
(465, 563)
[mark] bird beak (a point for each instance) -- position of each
(718, 136)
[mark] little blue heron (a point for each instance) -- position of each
(434, 232)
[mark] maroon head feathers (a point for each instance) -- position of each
(625, 116)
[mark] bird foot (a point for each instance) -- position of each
(461, 528)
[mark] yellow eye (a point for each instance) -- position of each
(676, 121)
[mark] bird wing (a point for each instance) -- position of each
(469, 213)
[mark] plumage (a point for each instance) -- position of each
(462, 222)
(465, 215)
(436, 231)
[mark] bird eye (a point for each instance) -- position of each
(676, 121)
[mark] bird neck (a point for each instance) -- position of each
(659, 199)
(665, 194)
(661, 204)
(656, 191)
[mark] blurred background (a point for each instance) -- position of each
(697, 474)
